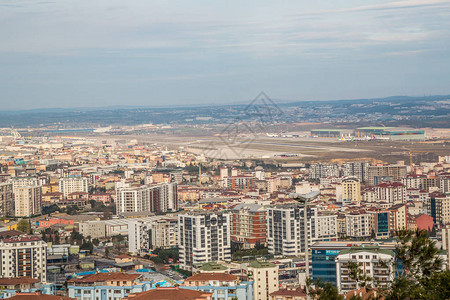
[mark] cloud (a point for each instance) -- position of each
(381, 6)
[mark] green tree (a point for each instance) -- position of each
(421, 275)
(323, 290)
(24, 226)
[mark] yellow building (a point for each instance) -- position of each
(351, 190)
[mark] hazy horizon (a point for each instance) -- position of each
(72, 54)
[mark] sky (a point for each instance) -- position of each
(93, 53)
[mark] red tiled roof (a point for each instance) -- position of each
(172, 293)
(102, 277)
(298, 292)
(212, 276)
(22, 238)
(9, 233)
(18, 280)
(38, 296)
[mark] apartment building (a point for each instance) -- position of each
(317, 171)
(240, 182)
(204, 237)
(158, 198)
(265, 278)
(355, 169)
(249, 225)
(395, 172)
(94, 229)
(351, 190)
(111, 285)
(359, 224)
(73, 184)
(221, 285)
(374, 262)
(23, 255)
(286, 232)
(391, 192)
(27, 201)
(398, 215)
(438, 207)
(6, 199)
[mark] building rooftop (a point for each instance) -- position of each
(212, 276)
(170, 293)
(298, 292)
(261, 264)
(212, 266)
(366, 248)
(38, 296)
(18, 280)
(102, 277)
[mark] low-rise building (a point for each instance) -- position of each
(374, 262)
(221, 285)
(114, 286)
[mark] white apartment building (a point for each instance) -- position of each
(359, 224)
(68, 185)
(151, 233)
(444, 184)
(392, 192)
(286, 233)
(355, 169)
(168, 196)
(27, 201)
(204, 237)
(25, 181)
(158, 198)
(414, 181)
(317, 171)
(138, 237)
(136, 199)
(23, 255)
(374, 262)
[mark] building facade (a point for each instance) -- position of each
(204, 237)
(23, 255)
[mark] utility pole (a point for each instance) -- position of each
(305, 198)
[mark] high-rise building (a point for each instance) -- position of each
(391, 192)
(444, 184)
(249, 225)
(145, 235)
(351, 190)
(438, 207)
(25, 181)
(396, 172)
(317, 171)
(68, 185)
(168, 197)
(6, 199)
(359, 224)
(23, 255)
(204, 237)
(27, 201)
(137, 199)
(158, 198)
(355, 169)
(286, 232)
